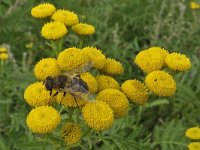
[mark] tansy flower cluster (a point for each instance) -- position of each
(104, 100)
(194, 5)
(60, 21)
(194, 135)
(153, 62)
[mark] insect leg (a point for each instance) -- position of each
(55, 94)
(63, 97)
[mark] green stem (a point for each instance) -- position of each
(77, 116)
(81, 41)
(70, 113)
(87, 131)
(61, 109)
(2, 66)
(139, 114)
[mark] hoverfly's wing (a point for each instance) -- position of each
(80, 69)
(80, 95)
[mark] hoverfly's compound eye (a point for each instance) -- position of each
(49, 83)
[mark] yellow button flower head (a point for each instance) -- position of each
(106, 82)
(71, 133)
(36, 95)
(46, 67)
(43, 119)
(193, 133)
(71, 58)
(113, 67)
(69, 100)
(95, 56)
(194, 146)
(43, 10)
(116, 100)
(160, 83)
(151, 59)
(65, 16)
(178, 62)
(135, 91)
(91, 82)
(3, 49)
(3, 56)
(83, 29)
(194, 5)
(98, 115)
(53, 30)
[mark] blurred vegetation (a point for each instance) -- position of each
(123, 28)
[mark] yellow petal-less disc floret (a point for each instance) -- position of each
(178, 62)
(65, 16)
(4, 56)
(91, 82)
(106, 82)
(135, 91)
(36, 95)
(69, 100)
(46, 67)
(193, 133)
(71, 133)
(71, 58)
(3, 49)
(113, 67)
(161, 83)
(43, 10)
(95, 56)
(194, 5)
(116, 100)
(151, 59)
(83, 29)
(194, 146)
(43, 119)
(98, 115)
(53, 30)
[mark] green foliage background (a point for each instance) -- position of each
(123, 28)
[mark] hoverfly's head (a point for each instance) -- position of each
(48, 83)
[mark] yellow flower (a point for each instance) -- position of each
(95, 56)
(3, 49)
(65, 16)
(116, 100)
(71, 58)
(43, 10)
(43, 119)
(83, 29)
(29, 45)
(46, 67)
(160, 83)
(193, 133)
(178, 62)
(194, 5)
(69, 100)
(194, 146)
(106, 82)
(151, 59)
(135, 91)
(3, 56)
(113, 67)
(91, 82)
(98, 115)
(53, 30)
(36, 95)
(71, 133)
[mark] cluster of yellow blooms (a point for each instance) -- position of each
(61, 20)
(111, 101)
(3, 53)
(152, 60)
(193, 134)
(194, 5)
